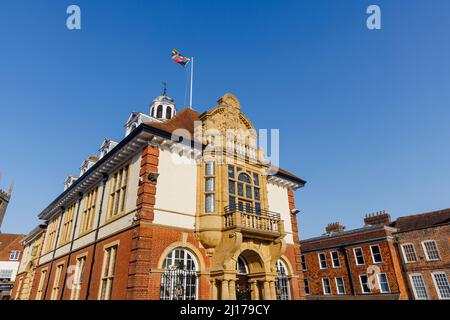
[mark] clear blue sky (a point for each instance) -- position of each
(363, 115)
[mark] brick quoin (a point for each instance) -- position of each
(294, 254)
(139, 283)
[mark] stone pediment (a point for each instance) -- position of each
(226, 116)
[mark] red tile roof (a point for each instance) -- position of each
(423, 220)
(183, 120)
(6, 239)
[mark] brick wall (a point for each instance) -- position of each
(348, 269)
(441, 235)
(294, 254)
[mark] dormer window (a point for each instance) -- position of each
(87, 164)
(135, 119)
(69, 181)
(109, 144)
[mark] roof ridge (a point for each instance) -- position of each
(424, 213)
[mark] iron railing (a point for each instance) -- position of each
(178, 284)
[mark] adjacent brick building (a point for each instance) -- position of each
(405, 259)
(424, 244)
(355, 264)
(10, 254)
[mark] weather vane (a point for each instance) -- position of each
(164, 88)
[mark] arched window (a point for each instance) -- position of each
(241, 267)
(179, 279)
(168, 112)
(282, 281)
(159, 112)
(244, 191)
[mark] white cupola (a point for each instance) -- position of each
(163, 107)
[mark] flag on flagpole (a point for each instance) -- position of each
(178, 58)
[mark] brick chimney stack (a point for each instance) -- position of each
(379, 218)
(334, 227)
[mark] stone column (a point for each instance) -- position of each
(213, 290)
(254, 288)
(273, 292)
(266, 290)
(225, 290)
(232, 287)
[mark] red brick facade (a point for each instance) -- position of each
(422, 266)
(8, 244)
(415, 251)
(344, 244)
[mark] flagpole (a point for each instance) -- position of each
(192, 79)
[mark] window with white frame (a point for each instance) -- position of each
(78, 279)
(303, 262)
(431, 250)
(282, 281)
(14, 255)
(409, 252)
(340, 288)
(441, 283)
(359, 258)
(364, 280)
(305, 280)
(383, 283)
(6, 273)
(376, 254)
(420, 291)
(335, 259)
(56, 282)
(108, 269)
(209, 187)
(322, 260)
(326, 286)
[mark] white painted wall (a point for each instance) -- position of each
(278, 202)
(10, 265)
(176, 191)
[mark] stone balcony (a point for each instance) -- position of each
(262, 224)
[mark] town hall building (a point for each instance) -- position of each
(180, 208)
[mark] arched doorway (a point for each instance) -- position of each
(243, 290)
(250, 276)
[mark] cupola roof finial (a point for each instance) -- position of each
(164, 93)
